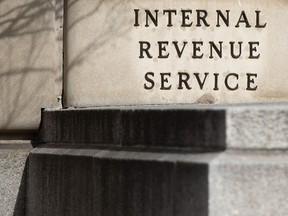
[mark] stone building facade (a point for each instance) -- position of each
(141, 108)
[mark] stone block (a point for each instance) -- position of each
(31, 61)
(191, 128)
(116, 183)
(248, 183)
(75, 181)
(13, 168)
(119, 54)
(187, 128)
(208, 128)
(259, 126)
(81, 126)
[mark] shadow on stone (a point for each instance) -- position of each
(115, 186)
(20, 205)
(190, 130)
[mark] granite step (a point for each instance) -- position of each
(67, 181)
(186, 127)
(79, 181)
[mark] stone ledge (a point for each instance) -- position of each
(75, 181)
(190, 127)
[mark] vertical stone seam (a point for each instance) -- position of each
(173, 188)
(120, 127)
(65, 53)
(226, 128)
(58, 50)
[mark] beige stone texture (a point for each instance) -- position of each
(248, 183)
(103, 65)
(13, 180)
(257, 127)
(31, 61)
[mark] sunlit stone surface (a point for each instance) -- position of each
(173, 52)
(30, 59)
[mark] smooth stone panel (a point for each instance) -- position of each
(31, 61)
(103, 64)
